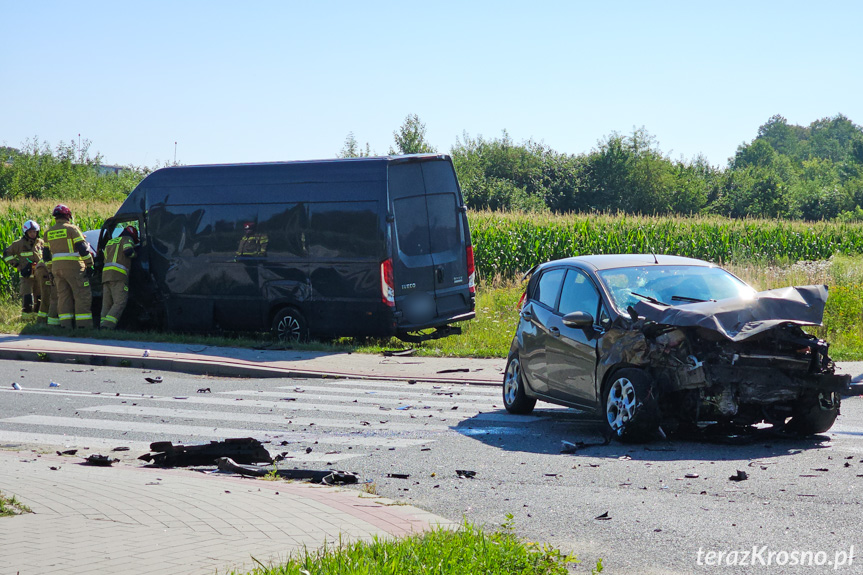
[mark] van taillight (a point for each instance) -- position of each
(388, 290)
(471, 271)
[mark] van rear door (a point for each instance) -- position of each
(430, 243)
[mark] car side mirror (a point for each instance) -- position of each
(578, 320)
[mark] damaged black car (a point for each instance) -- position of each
(662, 344)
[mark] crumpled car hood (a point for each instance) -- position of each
(738, 319)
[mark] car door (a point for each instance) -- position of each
(533, 328)
(571, 352)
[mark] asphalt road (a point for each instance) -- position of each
(643, 509)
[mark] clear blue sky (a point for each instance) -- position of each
(263, 81)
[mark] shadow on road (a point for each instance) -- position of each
(546, 430)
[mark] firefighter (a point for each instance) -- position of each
(117, 255)
(42, 273)
(72, 267)
(24, 254)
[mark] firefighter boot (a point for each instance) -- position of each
(27, 307)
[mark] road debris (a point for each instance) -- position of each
(157, 379)
(68, 452)
(242, 450)
(53, 384)
(603, 517)
(100, 460)
(398, 352)
(204, 390)
(455, 370)
(327, 477)
(120, 449)
(399, 475)
(465, 473)
(16, 387)
(739, 476)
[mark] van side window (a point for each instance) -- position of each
(284, 226)
(548, 287)
(344, 230)
(229, 224)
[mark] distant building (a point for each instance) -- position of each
(105, 170)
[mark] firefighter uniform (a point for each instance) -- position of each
(51, 300)
(71, 275)
(46, 287)
(24, 254)
(115, 279)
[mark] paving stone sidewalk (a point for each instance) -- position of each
(131, 519)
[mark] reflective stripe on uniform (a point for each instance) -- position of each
(109, 318)
(53, 321)
(42, 314)
(65, 316)
(68, 257)
(115, 268)
(83, 316)
(9, 258)
(24, 254)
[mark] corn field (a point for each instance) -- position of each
(506, 245)
(87, 216)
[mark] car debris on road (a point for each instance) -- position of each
(243, 450)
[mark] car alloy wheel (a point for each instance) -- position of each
(620, 405)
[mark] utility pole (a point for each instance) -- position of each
(175, 153)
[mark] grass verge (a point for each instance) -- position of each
(465, 551)
(9, 505)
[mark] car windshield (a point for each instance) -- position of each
(671, 285)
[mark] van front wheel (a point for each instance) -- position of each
(289, 326)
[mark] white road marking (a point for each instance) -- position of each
(286, 420)
(172, 429)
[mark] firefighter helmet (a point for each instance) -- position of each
(131, 232)
(62, 211)
(30, 225)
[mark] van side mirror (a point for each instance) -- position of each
(578, 320)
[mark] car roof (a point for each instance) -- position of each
(612, 261)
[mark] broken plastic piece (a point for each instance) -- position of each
(100, 460)
(739, 476)
(157, 379)
(465, 473)
(398, 475)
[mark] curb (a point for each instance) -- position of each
(220, 367)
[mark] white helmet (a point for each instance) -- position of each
(31, 225)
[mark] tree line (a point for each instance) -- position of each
(787, 171)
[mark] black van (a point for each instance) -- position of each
(346, 247)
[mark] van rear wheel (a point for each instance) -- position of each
(289, 326)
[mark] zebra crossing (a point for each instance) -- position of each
(304, 420)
